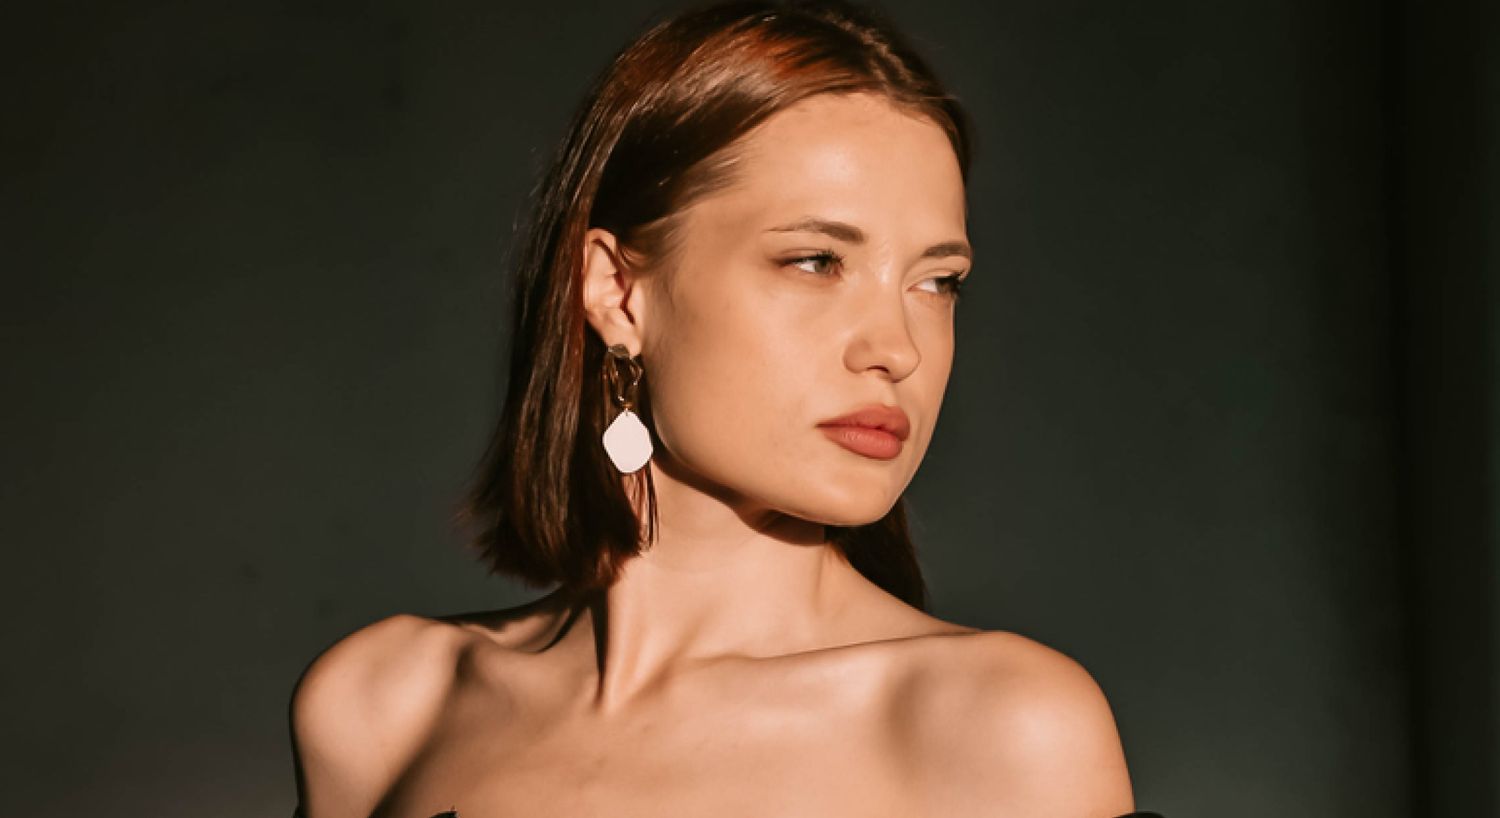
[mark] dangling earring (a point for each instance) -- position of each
(626, 440)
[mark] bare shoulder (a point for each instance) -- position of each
(1000, 719)
(362, 706)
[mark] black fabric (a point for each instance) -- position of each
(453, 814)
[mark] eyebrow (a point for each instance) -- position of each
(843, 231)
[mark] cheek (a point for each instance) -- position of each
(739, 382)
(733, 377)
(928, 385)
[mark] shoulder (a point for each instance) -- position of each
(1002, 719)
(363, 706)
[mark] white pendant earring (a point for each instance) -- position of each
(626, 441)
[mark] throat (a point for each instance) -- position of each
(659, 621)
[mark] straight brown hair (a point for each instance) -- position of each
(656, 132)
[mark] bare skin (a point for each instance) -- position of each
(740, 666)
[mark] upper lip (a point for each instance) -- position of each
(888, 418)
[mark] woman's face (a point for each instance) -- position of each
(813, 287)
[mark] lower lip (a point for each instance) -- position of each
(876, 443)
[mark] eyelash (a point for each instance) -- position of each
(951, 285)
(822, 255)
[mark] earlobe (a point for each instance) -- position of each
(606, 287)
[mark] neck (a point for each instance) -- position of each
(721, 580)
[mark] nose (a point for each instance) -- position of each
(882, 338)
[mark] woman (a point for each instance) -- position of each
(733, 330)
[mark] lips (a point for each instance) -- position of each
(874, 431)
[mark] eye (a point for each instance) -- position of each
(827, 258)
(949, 285)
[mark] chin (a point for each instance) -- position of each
(851, 521)
(843, 508)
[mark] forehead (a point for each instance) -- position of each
(854, 157)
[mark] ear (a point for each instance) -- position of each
(610, 298)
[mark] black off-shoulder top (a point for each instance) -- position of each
(453, 814)
(297, 813)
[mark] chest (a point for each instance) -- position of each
(788, 751)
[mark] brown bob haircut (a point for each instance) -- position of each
(656, 132)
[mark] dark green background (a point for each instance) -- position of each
(1221, 424)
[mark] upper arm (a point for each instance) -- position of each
(361, 709)
(1031, 731)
